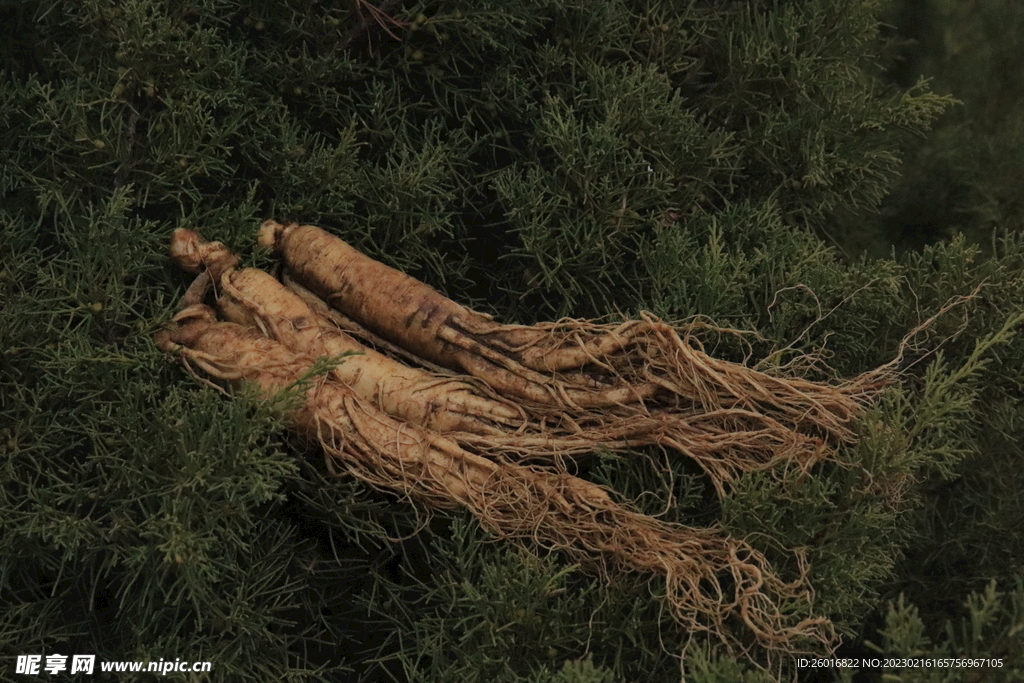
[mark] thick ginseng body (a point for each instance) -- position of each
(389, 302)
(254, 297)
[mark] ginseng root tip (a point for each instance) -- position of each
(269, 235)
(185, 249)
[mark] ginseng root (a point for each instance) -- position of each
(532, 506)
(571, 364)
(726, 443)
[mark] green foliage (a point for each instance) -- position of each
(966, 177)
(536, 159)
(990, 633)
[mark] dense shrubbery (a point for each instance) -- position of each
(535, 159)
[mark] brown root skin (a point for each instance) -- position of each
(334, 318)
(480, 420)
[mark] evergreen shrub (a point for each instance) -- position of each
(534, 159)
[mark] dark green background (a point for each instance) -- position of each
(734, 160)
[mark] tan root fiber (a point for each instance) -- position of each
(511, 501)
